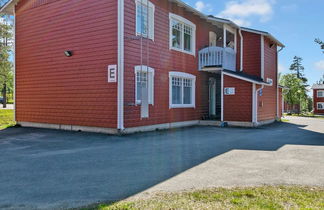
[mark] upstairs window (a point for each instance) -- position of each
(145, 19)
(320, 93)
(182, 34)
(182, 90)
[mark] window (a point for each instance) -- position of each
(229, 91)
(182, 90)
(320, 93)
(182, 34)
(144, 77)
(320, 106)
(145, 19)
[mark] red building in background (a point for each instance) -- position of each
(127, 66)
(318, 98)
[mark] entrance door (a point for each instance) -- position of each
(212, 98)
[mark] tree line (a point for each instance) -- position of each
(296, 82)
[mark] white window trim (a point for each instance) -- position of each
(322, 105)
(150, 82)
(151, 29)
(193, 94)
(318, 96)
(187, 22)
(233, 31)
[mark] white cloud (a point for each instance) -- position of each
(201, 6)
(281, 68)
(241, 11)
(319, 65)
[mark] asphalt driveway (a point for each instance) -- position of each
(51, 169)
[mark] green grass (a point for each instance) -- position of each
(6, 118)
(267, 197)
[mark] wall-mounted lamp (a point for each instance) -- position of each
(271, 45)
(68, 53)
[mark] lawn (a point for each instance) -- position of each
(6, 118)
(266, 197)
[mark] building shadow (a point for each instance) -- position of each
(56, 169)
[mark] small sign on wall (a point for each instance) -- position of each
(229, 91)
(112, 73)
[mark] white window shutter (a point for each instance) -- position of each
(151, 21)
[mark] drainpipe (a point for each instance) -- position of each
(241, 50)
(120, 84)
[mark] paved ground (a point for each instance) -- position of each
(56, 169)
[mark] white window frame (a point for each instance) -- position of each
(318, 96)
(150, 83)
(193, 40)
(231, 30)
(176, 74)
(318, 103)
(151, 18)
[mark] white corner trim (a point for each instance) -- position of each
(193, 96)
(222, 96)
(193, 41)
(120, 85)
(262, 56)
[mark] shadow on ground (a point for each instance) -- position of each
(55, 169)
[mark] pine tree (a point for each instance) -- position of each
(298, 68)
(6, 70)
(321, 43)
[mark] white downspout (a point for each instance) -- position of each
(222, 97)
(241, 50)
(262, 57)
(120, 89)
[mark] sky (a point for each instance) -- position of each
(296, 23)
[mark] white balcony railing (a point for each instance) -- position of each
(218, 57)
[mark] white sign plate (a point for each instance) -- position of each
(112, 73)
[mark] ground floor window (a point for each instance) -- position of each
(144, 78)
(320, 106)
(182, 90)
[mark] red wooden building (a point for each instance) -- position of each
(318, 98)
(137, 65)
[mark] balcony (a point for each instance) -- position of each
(217, 58)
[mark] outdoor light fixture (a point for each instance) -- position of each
(68, 53)
(271, 45)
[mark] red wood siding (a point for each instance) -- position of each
(316, 100)
(252, 53)
(238, 107)
(163, 61)
(52, 88)
(267, 103)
